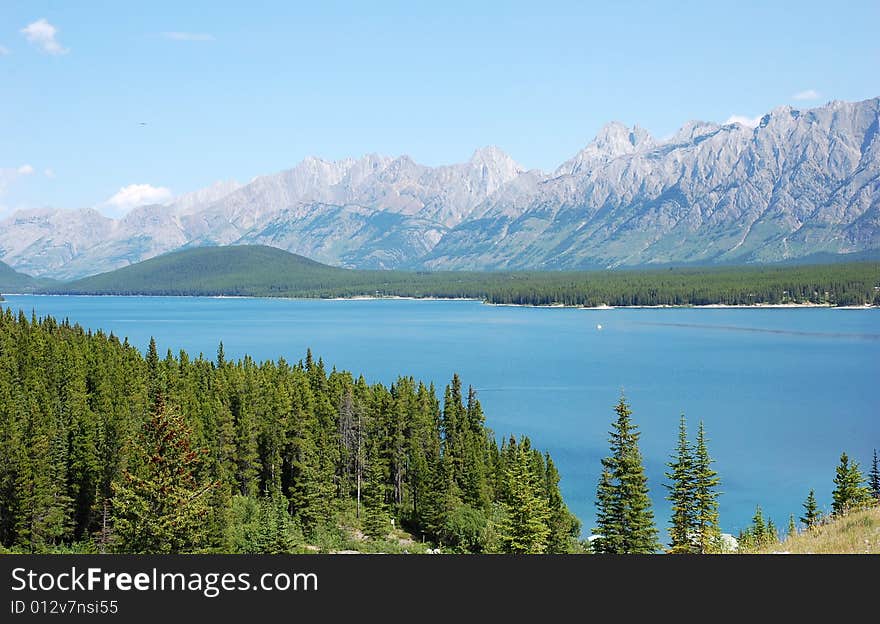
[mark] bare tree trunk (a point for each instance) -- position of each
(105, 536)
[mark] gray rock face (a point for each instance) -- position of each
(801, 182)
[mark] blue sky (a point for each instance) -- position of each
(232, 90)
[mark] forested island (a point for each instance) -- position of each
(260, 271)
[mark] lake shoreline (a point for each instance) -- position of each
(710, 306)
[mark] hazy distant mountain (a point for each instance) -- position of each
(800, 183)
(12, 281)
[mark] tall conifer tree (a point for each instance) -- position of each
(682, 495)
(625, 517)
(158, 506)
(874, 478)
(525, 528)
(811, 516)
(708, 533)
(849, 490)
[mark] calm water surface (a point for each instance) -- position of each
(782, 391)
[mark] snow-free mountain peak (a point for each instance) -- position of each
(803, 181)
(613, 140)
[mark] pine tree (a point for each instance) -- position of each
(771, 536)
(682, 495)
(849, 491)
(158, 506)
(524, 528)
(708, 533)
(792, 527)
(376, 520)
(276, 534)
(874, 478)
(811, 516)
(762, 532)
(607, 516)
(564, 526)
(759, 526)
(625, 519)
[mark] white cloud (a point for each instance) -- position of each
(4, 50)
(809, 94)
(42, 34)
(49, 173)
(749, 122)
(135, 195)
(9, 174)
(188, 36)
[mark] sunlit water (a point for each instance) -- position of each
(781, 391)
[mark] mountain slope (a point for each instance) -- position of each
(11, 281)
(231, 270)
(798, 184)
(269, 272)
(857, 533)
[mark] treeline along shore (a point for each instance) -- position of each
(267, 272)
(103, 449)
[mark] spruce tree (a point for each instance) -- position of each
(708, 533)
(564, 526)
(625, 519)
(849, 491)
(608, 529)
(682, 495)
(874, 479)
(811, 516)
(376, 521)
(771, 536)
(792, 527)
(159, 507)
(759, 526)
(524, 528)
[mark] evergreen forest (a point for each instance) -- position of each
(259, 271)
(106, 449)
(103, 449)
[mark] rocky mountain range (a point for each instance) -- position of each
(800, 182)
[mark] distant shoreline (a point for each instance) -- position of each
(718, 306)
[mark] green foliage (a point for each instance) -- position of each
(565, 528)
(812, 516)
(466, 530)
(11, 281)
(377, 523)
(158, 505)
(682, 495)
(102, 445)
(760, 534)
(708, 533)
(524, 528)
(874, 478)
(261, 526)
(264, 271)
(625, 520)
(849, 489)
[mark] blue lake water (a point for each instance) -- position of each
(781, 391)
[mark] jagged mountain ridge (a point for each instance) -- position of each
(799, 183)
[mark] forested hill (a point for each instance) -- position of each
(232, 270)
(104, 449)
(11, 281)
(266, 271)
